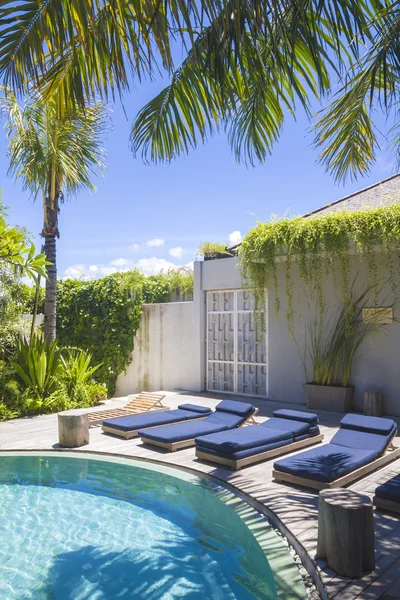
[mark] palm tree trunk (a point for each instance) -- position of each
(50, 303)
(50, 233)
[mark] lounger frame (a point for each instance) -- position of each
(386, 504)
(237, 464)
(392, 452)
(173, 446)
(132, 433)
(142, 403)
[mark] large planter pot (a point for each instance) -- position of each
(329, 397)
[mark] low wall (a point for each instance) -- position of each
(165, 356)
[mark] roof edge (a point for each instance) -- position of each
(352, 195)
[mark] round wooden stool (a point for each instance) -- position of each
(73, 429)
(346, 538)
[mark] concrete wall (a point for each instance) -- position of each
(166, 351)
(375, 368)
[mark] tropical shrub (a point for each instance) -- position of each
(212, 249)
(37, 364)
(334, 337)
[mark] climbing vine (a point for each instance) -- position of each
(319, 246)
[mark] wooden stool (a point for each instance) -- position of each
(373, 404)
(346, 538)
(73, 429)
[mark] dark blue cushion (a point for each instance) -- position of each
(243, 438)
(195, 408)
(228, 419)
(181, 431)
(390, 490)
(241, 453)
(295, 427)
(237, 408)
(296, 415)
(351, 438)
(150, 419)
(368, 424)
(325, 463)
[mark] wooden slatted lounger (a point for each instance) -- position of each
(361, 445)
(142, 403)
(228, 414)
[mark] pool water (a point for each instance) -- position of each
(79, 529)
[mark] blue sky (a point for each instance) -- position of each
(156, 216)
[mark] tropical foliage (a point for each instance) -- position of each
(45, 378)
(54, 152)
(212, 249)
(334, 336)
(17, 253)
(247, 66)
(318, 246)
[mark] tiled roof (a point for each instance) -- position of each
(383, 193)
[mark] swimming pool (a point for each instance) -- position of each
(80, 527)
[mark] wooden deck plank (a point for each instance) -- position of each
(296, 507)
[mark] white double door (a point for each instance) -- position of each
(236, 360)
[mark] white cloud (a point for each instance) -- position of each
(154, 265)
(134, 247)
(76, 271)
(120, 262)
(93, 268)
(156, 242)
(235, 238)
(176, 252)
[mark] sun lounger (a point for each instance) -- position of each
(362, 445)
(128, 427)
(286, 431)
(228, 414)
(144, 402)
(387, 495)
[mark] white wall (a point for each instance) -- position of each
(375, 368)
(166, 351)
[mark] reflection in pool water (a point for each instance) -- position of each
(80, 529)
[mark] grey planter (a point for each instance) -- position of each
(329, 397)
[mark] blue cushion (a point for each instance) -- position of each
(351, 438)
(181, 431)
(237, 408)
(241, 453)
(296, 415)
(228, 419)
(295, 427)
(243, 438)
(325, 463)
(150, 419)
(369, 424)
(195, 408)
(390, 490)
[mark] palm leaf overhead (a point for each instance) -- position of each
(248, 65)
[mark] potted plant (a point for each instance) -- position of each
(332, 342)
(213, 250)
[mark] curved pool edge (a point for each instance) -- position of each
(245, 506)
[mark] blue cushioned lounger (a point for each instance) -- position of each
(228, 414)
(387, 495)
(359, 447)
(128, 427)
(286, 431)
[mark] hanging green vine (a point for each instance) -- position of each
(319, 246)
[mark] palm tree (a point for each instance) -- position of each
(53, 154)
(248, 65)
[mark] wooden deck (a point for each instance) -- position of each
(295, 507)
